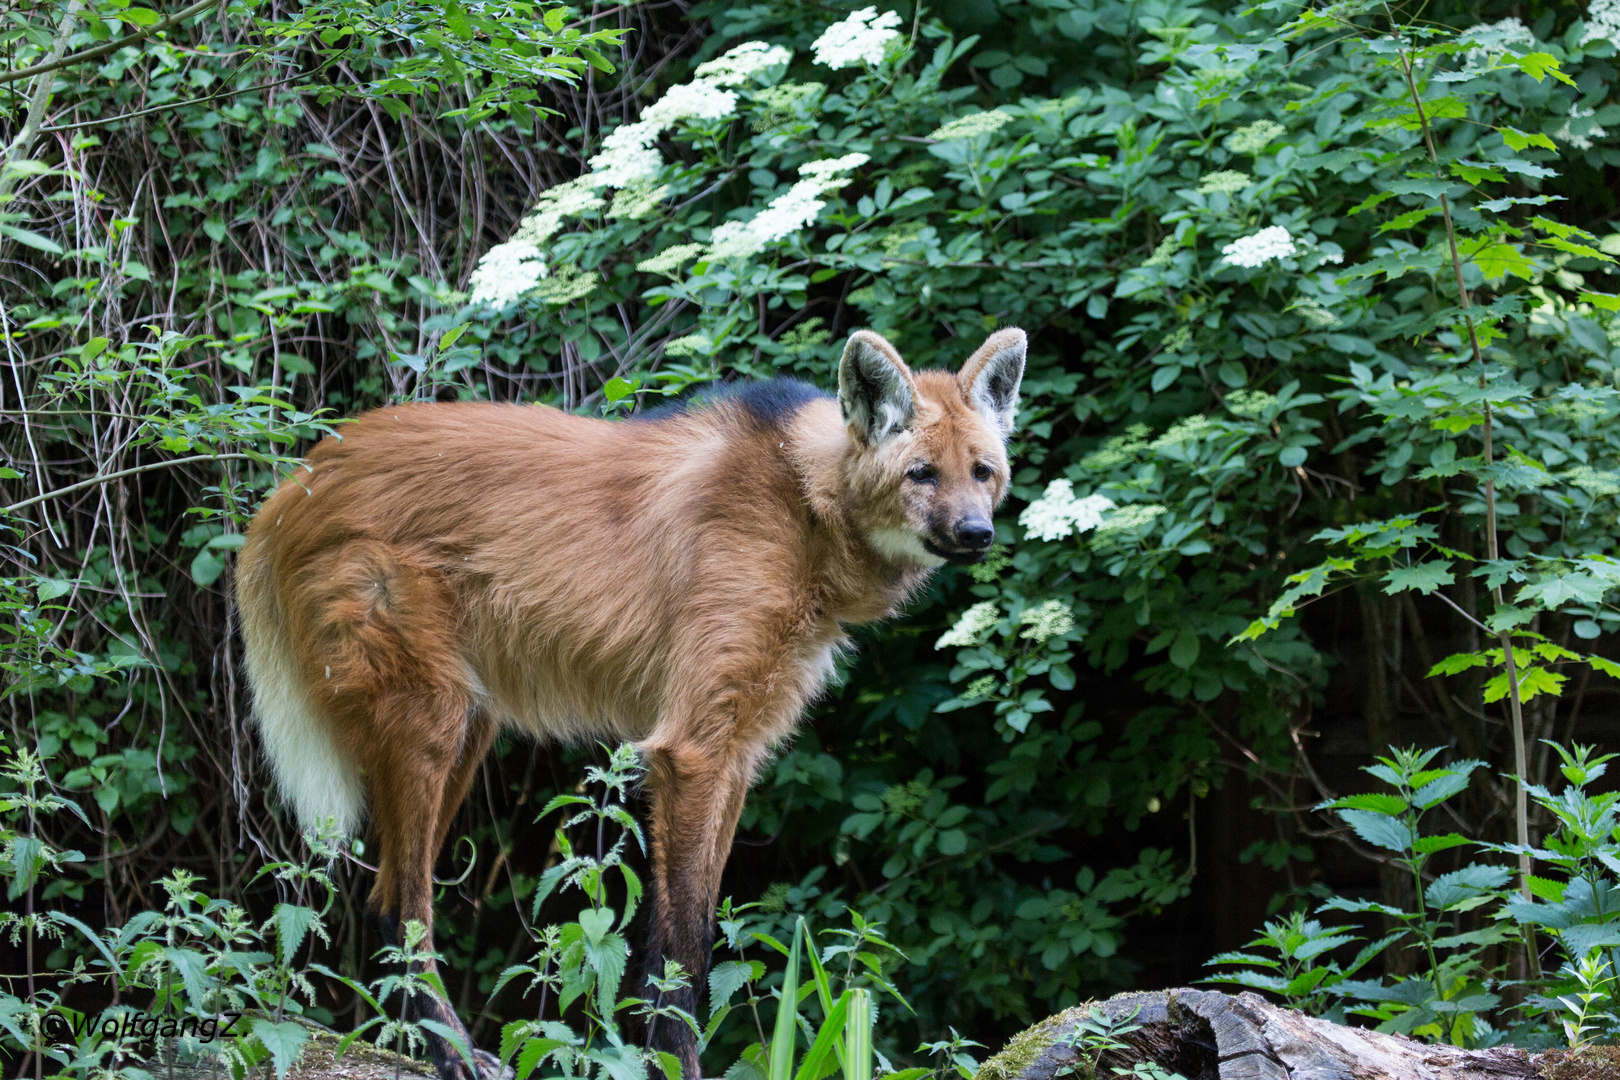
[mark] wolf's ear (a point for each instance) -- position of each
(989, 380)
(874, 388)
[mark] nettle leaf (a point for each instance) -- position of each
(1438, 791)
(1255, 980)
(285, 1041)
(1546, 889)
(1465, 886)
(1374, 801)
(727, 978)
(1428, 845)
(1380, 830)
(292, 922)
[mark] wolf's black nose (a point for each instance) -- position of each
(975, 533)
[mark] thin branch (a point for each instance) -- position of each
(120, 474)
(107, 47)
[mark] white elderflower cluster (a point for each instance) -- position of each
(1191, 429)
(1058, 513)
(1131, 517)
(972, 627)
(669, 260)
(697, 100)
(563, 201)
(1598, 484)
(638, 200)
(1249, 403)
(1261, 248)
(567, 285)
(1602, 22)
(1315, 315)
(1161, 254)
(506, 272)
(1489, 40)
(787, 213)
(1254, 137)
(862, 38)
(629, 162)
(1580, 140)
(747, 61)
(1225, 182)
(1046, 621)
(690, 345)
(973, 125)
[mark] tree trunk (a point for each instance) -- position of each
(1203, 1035)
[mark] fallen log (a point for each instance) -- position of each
(1204, 1035)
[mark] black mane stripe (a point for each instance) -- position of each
(772, 402)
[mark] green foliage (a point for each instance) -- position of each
(265, 218)
(1461, 918)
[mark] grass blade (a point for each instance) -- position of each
(858, 1036)
(787, 1027)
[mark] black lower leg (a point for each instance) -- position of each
(684, 937)
(425, 1004)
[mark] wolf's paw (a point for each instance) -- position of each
(490, 1067)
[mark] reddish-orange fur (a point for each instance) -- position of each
(442, 571)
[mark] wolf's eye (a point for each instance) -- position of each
(981, 472)
(922, 474)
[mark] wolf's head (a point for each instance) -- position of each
(928, 460)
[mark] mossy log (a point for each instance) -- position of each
(1203, 1035)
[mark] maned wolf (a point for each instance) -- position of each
(444, 571)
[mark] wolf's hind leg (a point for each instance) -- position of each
(392, 677)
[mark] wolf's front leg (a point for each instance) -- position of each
(696, 797)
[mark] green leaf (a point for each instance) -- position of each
(785, 1034)
(1521, 140)
(1408, 219)
(139, 16)
(1538, 65)
(618, 388)
(1438, 791)
(597, 923)
(1608, 667)
(453, 1036)
(830, 1035)
(31, 239)
(206, 567)
(1457, 663)
(1377, 802)
(285, 1041)
(1184, 649)
(49, 589)
(1533, 681)
(1497, 260)
(292, 922)
(727, 978)
(1380, 830)
(1425, 577)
